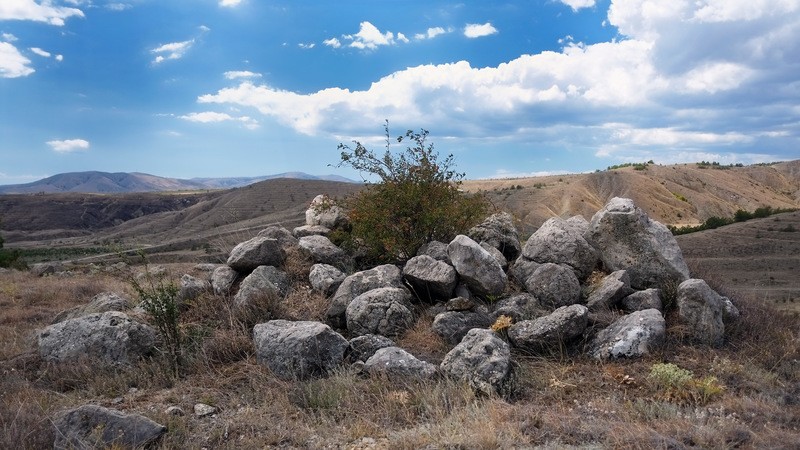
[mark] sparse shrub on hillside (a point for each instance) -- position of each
(9, 258)
(416, 200)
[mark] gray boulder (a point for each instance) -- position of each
(396, 363)
(356, 284)
(477, 267)
(641, 300)
(519, 307)
(559, 242)
(91, 426)
(323, 251)
(222, 280)
(100, 303)
(430, 278)
(554, 285)
(385, 311)
(729, 311)
(298, 350)
(609, 291)
(310, 230)
(259, 251)
(192, 287)
(496, 254)
(630, 336)
(436, 250)
(47, 268)
(522, 269)
(700, 308)
(323, 211)
(627, 239)
(551, 331)
(110, 337)
(481, 359)
(363, 347)
(578, 224)
(284, 237)
(498, 231)
(452, 326)
(325, 278)
(255, 288)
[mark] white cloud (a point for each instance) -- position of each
(578, 4)
(229, 3)
(8, 37)
(204, 28)
(68, 145)
(431, 33)
(118, 6)
(474, 30)
(12, 63)
(332, 42)
(215, 117)
(236, 74)
(59, 58)
(306, 46)
(40, 52)
(370, 38)
(37, 12)
(173, 50)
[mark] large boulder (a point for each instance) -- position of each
(522, 269)
(498, 230)
(477, 267)
(222, 279)
(482, 359)
(641, 300)
(396, 363)
(323, 211)
(322, 250)
(627, 239)
(325, 278)
(363, 347)
(255, 288)
(356, 284)
(284, 237)
(452, 326)
(630, 336)
(110, 337)
(192, 287)
(609, 291)
(385, 311)
(92, 426)
(47, 268)
(100, 303)
(436, 250)
(700, 308)
(298, 350)
(551, 331)
(430, 278)
(559, 242)
(259, 251)
(523, 306)
(554, 285)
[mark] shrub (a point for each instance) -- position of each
(417, 199)
(680, 385)
(10, 258)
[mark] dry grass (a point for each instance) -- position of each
(565, 399)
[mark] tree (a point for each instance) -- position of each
(416, 201)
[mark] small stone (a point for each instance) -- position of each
(175, 411)
(203, 410)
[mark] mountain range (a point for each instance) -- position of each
(94, 182)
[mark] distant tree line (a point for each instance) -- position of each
(716, 165)
(740, 216)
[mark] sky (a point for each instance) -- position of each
(228, 88)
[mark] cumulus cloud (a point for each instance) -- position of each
(369, 37)
(474, 30)
(578, 4)
(236, 74)
(37, 12)
(214, 117)
(332, 42)
(68, 145)
(40, 52)
(173, 50)
(8, 37)
(12, 63)
(430, 34)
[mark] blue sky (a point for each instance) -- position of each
(214, 88)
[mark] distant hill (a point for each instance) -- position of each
(94, 182)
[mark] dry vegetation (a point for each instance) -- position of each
(564, 399)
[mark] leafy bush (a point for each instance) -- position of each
(417, 199)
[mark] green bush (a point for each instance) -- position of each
(417, 199)
(10, 258)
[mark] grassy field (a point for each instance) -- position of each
(744, 395)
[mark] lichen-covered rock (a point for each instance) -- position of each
(298, 350)
(551, 331)
(554, 285)
(700, 308)
(325, 278)
(482, 359)
(477, 267)
(323, 211)
(192, 287)
(641, 300)
(284, 237)
(91, 426)
(430, 278)
(110, 337)
(259, 251)
(323, 251)
(496, 254)
(385, 311)
(222, 279)
(522, 269)
(558, 242)
(609, 291)
(356, 284)
(452, 326)
(363, 347)
(436, 250)
(100, 303)
(627, 239)
(630, 336)
(396, 363)
(254, 289)
(498, 231)
(310, 230)
(519, 307)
